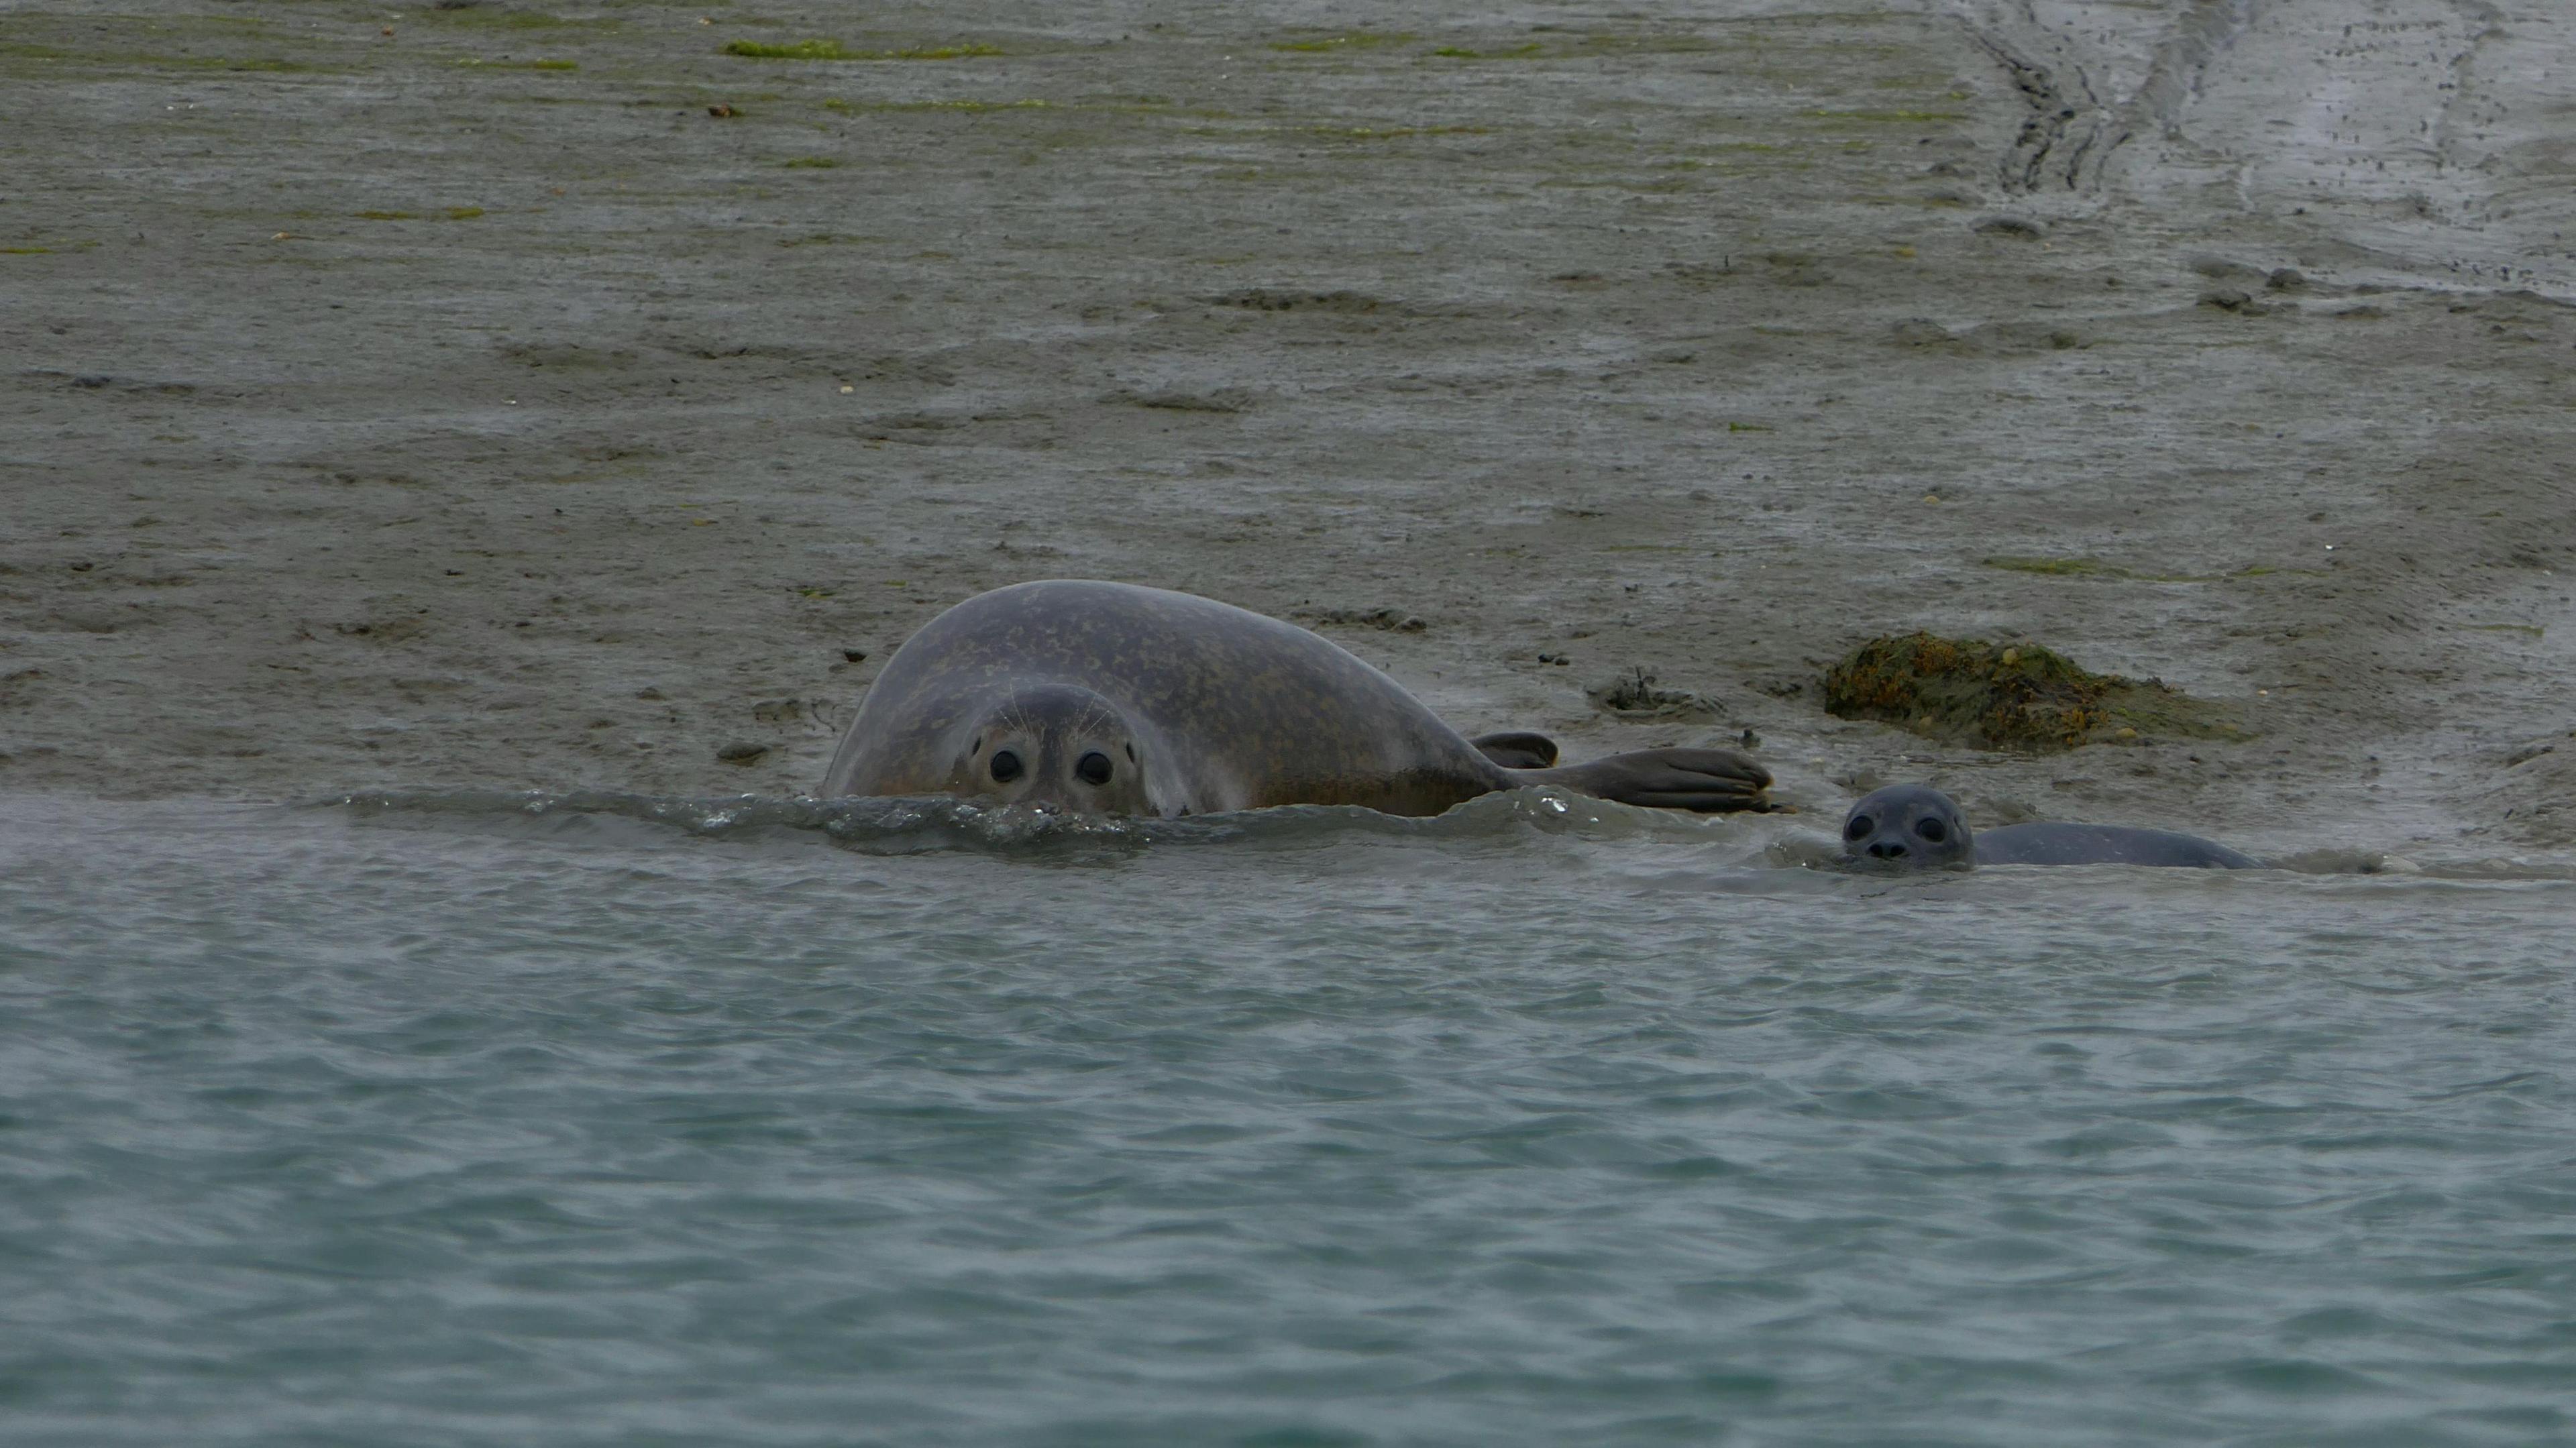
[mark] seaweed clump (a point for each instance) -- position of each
(2009, 696)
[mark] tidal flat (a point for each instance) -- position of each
(537, 396)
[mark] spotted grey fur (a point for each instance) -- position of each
(1108, 698)
(1917, 827)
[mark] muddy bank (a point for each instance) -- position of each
(473, 404)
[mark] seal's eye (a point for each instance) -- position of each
(1092, 768)
(1859, 826)
(1932, 830)
(1006, 766)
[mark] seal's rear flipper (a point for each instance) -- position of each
(1706, 780)
(1517, 750)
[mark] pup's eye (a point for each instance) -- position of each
(1007, 766)
(1859, 826)
(1933, 830)
(1092, 768)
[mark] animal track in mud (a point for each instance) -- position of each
(2053, 116)
(2071, 132)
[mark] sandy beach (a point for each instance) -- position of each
(520, 397)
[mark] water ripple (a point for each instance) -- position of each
(470, 1122)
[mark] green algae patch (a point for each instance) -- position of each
(2010, 696)
(810, 163)
(1355, 40)
(793, 50)
(835, 50)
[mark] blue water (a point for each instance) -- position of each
(464, 1122)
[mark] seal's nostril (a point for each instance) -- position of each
(1888, 850)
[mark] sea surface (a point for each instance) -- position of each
(492, 1119)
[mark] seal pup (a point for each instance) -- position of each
(1109, 698)
(1917, 827)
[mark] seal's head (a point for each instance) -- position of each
(1908, 827)
(1054, 747)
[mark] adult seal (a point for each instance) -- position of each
(1917, 827)
(1107, 698)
